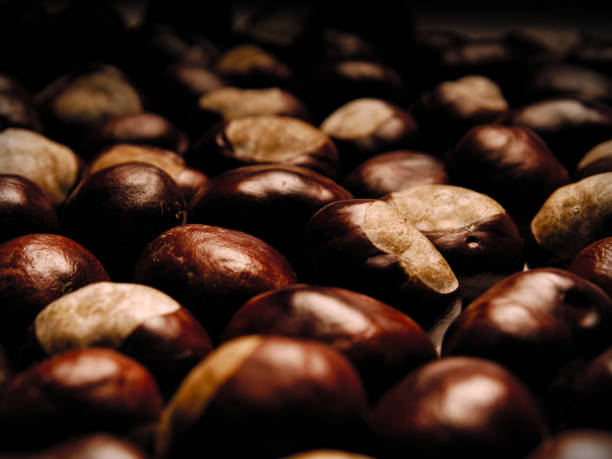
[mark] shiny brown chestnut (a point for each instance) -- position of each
(261, 139)
(533, 323)
(52, 166)
(383, 343)
(458, 406)
(596, 161)
(134, 319)
(574, 216)
(189, 180)
(78, 392)
(594, 263)
(24, 208)
(512, 164)
(271, 202)
(292, 394)
(35, 270)
(472, 231)
(211, 271)
(367, 245)
(575, 443)
(118, 210)
(365, 127)
(394, 171)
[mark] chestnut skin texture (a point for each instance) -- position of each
(211, 271)
(383, 343)
(272, 202)
(117, 211)
(533, 323)
(573, 444)
(597, 160)
(35, 270)
(394, 171)
(283, 395)
(511, 164)
(24, 208)
(78, 392)
(264, 139)
(250, 66)
(594, 263)
(458, 407)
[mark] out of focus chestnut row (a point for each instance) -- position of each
(313, 230)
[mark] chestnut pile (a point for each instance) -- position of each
(300, 231)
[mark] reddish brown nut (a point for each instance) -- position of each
(148, 129)
(472, 231)
(137, 320)
(24, 208)
(509, 163)
(365, 127)
(272, 202)
(52, 166)
(117, 211)
(250, 66)
(575, 216)
(264, 139)
(458, 406)
(36, 269)
(572, 444)
(189, 180)
(367, 245)
(211, 271)
(283, 395)
(78, 392)
(383, 343)
(596, 161)
(394, 171)
(594, 263)
(533, 323)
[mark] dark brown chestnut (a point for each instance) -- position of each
(458, 406)
(383, 343)
(594, 263)
(294, 394)
(211, 271)
(573, 444)
(596, 161)
(533, 323)
(78, 392)
(137, 320)
(118, 210)
(24, 208)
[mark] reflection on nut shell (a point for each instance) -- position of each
(326, 454)
(211, 271)
(458, 406)
(533, 323)
(572, 444)
(594, 263)
(596, 161)
(380, 341)
(293, 394)
(250, 66)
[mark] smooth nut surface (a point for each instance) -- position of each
(597, 160)
(594, 263)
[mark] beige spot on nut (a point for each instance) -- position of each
(359, 118)
(52, 166)
(443, 207)
(391, 232)
(556, 112)
(120, 154)
(200, 386)
(472, 94)
(245, 57)
(100, 314)
(235, 103)
(326, 454)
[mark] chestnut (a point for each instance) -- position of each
(52, 166)
(458, 406)
(78, 392)
(36, 269)
(593, 52)
(272, 202)
(211, 271)
(382, 343)
(365, 127)
(597, 160)
(594, 263)
(251, 66)
(574, 216)
(264, 139)
(367, 245)
(117, 211)
(16, 110)
(326, 454)
(575, 443)
(394, 171)
(472, 231)
(137, 320)
(24, 208)
(533, 323)
(292, 394)
(512, 164)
